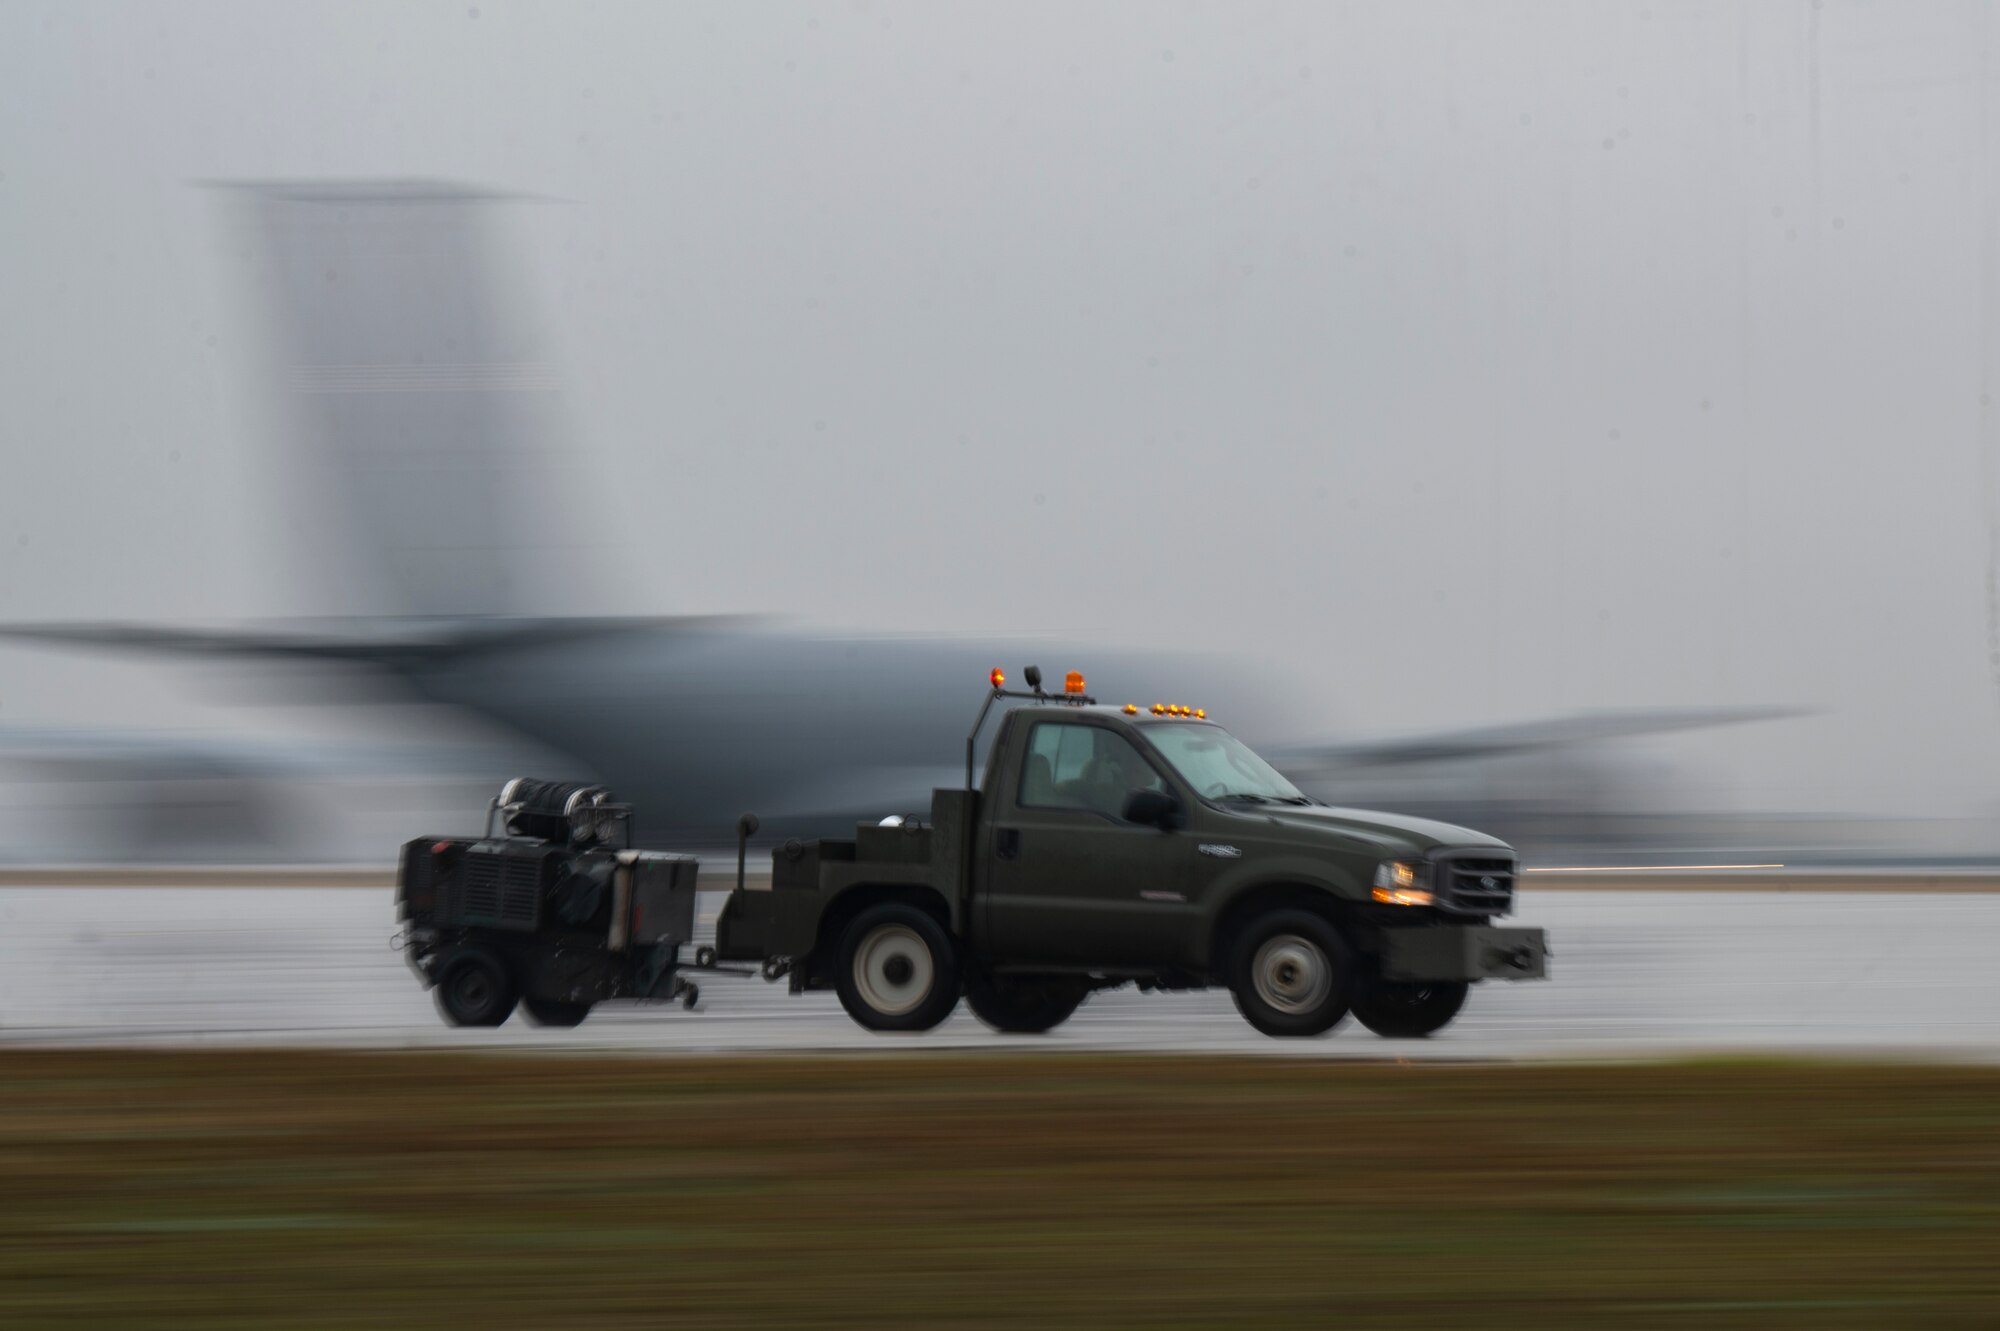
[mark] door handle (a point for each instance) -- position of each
(1006, 843)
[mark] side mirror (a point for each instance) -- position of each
(1153, 808)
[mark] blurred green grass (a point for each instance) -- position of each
(266, 1189)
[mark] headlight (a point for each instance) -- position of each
(1403, 883)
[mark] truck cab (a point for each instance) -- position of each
(1138, 844)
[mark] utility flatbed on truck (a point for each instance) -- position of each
(1112, 845)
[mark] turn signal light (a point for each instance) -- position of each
(1073, 682)
(999, 678)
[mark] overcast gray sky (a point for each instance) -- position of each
(1474, 361)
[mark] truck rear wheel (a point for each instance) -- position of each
(1290, 974)
(475, 990)
(1022, 1004)
(549, 1012)
(897, 969)
(1408, 1009)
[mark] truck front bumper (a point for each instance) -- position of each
(1465, 952)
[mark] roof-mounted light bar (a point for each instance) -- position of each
(1073, 694)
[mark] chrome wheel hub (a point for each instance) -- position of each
(1291, 974)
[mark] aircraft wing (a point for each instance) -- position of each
(146, 754)
(1518, 737)
(399, 642)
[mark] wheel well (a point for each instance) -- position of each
(834, 920)
(1258, 900)
(452, 954)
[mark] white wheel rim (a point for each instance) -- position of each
(893, 969)
(1291, 974)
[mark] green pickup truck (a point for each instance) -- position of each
(1124, 844)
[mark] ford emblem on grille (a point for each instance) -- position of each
(1486, 882)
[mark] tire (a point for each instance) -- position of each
(1291, 974)
(1408, 1009)
(550, 1012)
(474, 989)
(897, 969)
(1022, 1004)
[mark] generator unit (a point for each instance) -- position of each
(550, 909)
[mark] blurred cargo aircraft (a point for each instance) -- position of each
(423, 411)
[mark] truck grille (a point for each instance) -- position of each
(500, 889)
(1476, 883)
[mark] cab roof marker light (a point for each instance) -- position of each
(1200, 714)
(1131, 709)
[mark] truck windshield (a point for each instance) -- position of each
(1220, 766)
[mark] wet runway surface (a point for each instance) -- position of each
(1635, 974)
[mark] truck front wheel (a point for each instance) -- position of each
(1408, 1009)
(1022, 1004)
(475, 990)
(898, 969)
(1290, 974)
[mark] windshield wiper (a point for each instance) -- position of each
(1252, 797)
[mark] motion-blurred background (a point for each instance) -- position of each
(1576, 420)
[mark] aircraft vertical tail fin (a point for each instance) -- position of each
(426, 413)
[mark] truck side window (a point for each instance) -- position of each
(1082, 767)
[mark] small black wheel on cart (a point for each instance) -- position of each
(474, 989)
(704, 957)
(1023, 1004)
(550, 1012)
(897, 969)
(1407, 1009)
(690, 996)
(1290, 974)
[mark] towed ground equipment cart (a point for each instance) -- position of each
(550, 909)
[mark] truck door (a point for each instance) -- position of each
(1069, 880)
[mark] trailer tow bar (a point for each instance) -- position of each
(704, 960)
